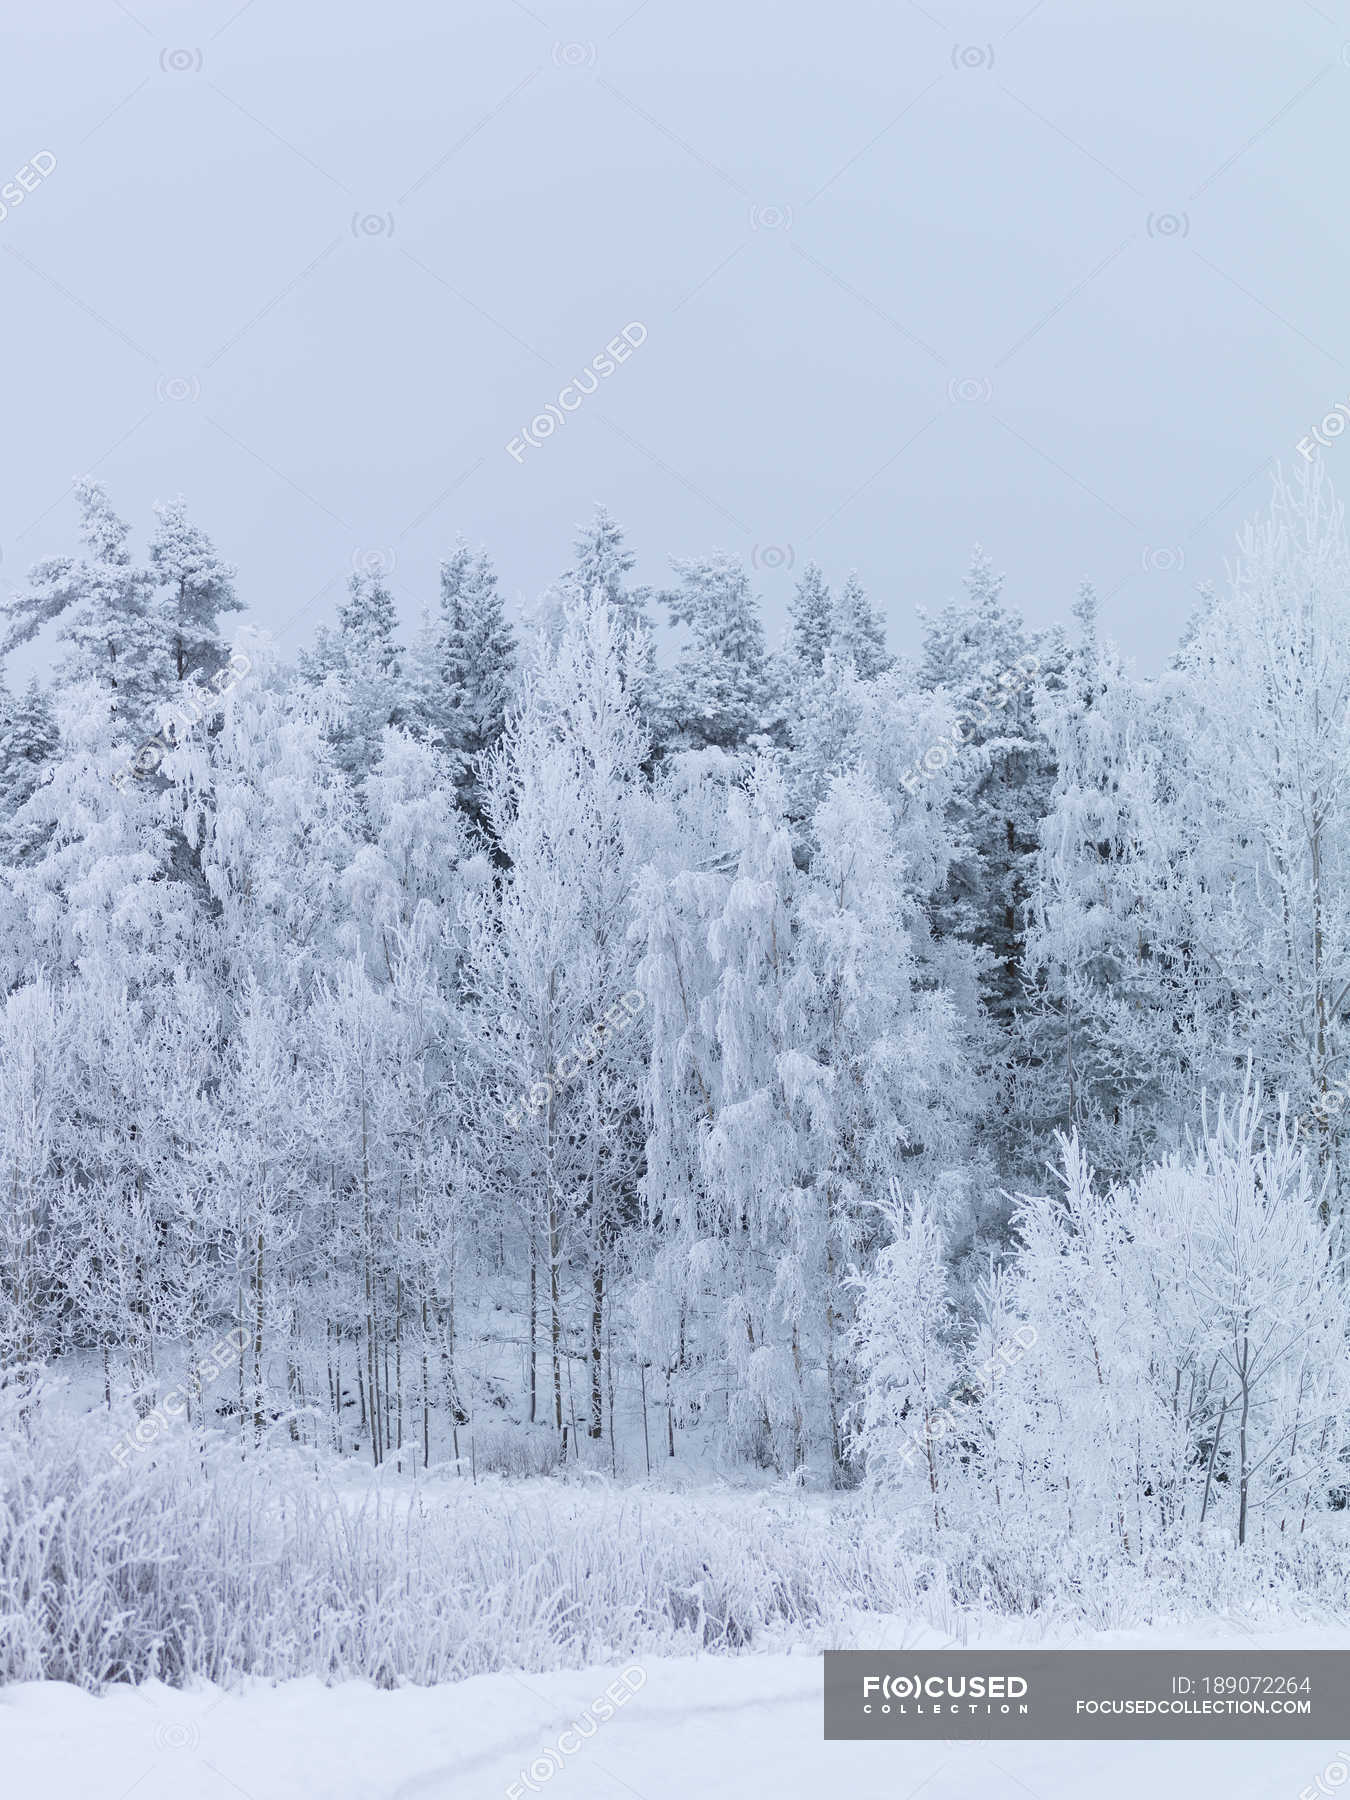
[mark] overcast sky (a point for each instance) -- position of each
(1065, 278)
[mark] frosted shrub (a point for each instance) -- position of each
(1189, 1369)
(197, 1561)
(1153, 1384)
(501, 1447)
(903, 1342)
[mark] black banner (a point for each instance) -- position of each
(988, 1694)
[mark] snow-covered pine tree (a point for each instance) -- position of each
(601, 565)
(105, 603)
(857, 631)
(196, 588)
(719, 692)
(978, 652)
(810, 632)
(1111, 1042)
(436, 664)
(365, 660)
(28, 741)
(100, 881)
(465, 671)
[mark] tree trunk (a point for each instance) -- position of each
(1245, 1473)
(596, 1428)
(258, 1336)
(534, 1323)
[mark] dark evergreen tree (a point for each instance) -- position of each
(811, 615)
(106, 606)
(1005, 771)
(464, 670)
(857, 631)
(28, 742)
(720, 692)
(364, 658)
(196, 587)
(602, 564)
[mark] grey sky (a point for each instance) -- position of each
(1065, 278)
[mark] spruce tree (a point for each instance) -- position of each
(28, 742)
(365, 659)
(1104, 1027)
(435, 677)
(465, 669)
(1004, 770)
(106, 606)
(196, 587)
(719, 694)
(810, 610)
(602, 565)
(857, 631)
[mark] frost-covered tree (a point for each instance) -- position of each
(405, 885)
(365, 663)
(100, 888)
(904, 1341)
(548, 962)
(465, 670)
(32, 1093)
(196, 588)
(801, 1043)
(271, 819)
(901, 1089)
(810, 634)
(1188, 899)
(1187, 1368)
(1118, 1032)
(601, 565)
(998, 770)
(28, 741)
(105, 602)
(719, 692)
(1265, 805)
(1236, 1239)
(103, 908)
(857, 631)
(678, 894)
(766, 1234)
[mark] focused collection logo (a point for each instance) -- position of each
(880, 1691)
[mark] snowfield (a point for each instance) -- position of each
(721, 1728)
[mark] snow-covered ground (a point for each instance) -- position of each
(737, 1728)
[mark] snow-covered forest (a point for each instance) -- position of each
(601, 1044)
